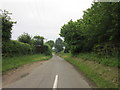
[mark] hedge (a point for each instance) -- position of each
(14, 47)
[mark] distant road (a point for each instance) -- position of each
(56, 73)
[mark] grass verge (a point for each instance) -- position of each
(108, 61)
(103, 76)
(9, 63)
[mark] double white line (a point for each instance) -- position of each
(55, 82)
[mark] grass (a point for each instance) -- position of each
(0, 65)
(9, 63)
(109, 61)
(103, 76)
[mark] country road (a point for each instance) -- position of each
(55, 73)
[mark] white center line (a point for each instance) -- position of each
(55, 82)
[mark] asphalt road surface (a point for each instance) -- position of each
(55, 73)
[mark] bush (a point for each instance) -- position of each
(47, 50)
(25, 38)
(13, 47)
(107, 49)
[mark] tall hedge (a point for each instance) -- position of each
(13, 47)
(47, 50)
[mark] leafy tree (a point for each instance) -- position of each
(25, 38)
(50, 43)
(72, 36)
(7, 25)
(67, 49)
(38, 43)
(38, 40)
(98, 29)
(47, 50)
(58, 45)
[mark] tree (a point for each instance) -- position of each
(99, 28)
(58, 45)
(38, 43)
(25, 38)
(72, 36)
(46, 50)
(38, 40)
(50, 43)
(7, 25)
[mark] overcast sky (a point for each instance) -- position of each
(43, 17)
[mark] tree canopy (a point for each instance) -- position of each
(7, 25)
(25, 38)
(58, 45)
(50, 43)
(38, 40)
(97, 30)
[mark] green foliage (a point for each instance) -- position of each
(58, 45)
(107, 49)
(50, 43)
(13, 47)
(38, 40)
(67, 49)
(100, 26)
(102, 76)
(10, 47)
(72, 36)
(7, 24)
(17, 61)
(25, 38)
(108, 61)
(47, 50)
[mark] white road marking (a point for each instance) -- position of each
(55, 82)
